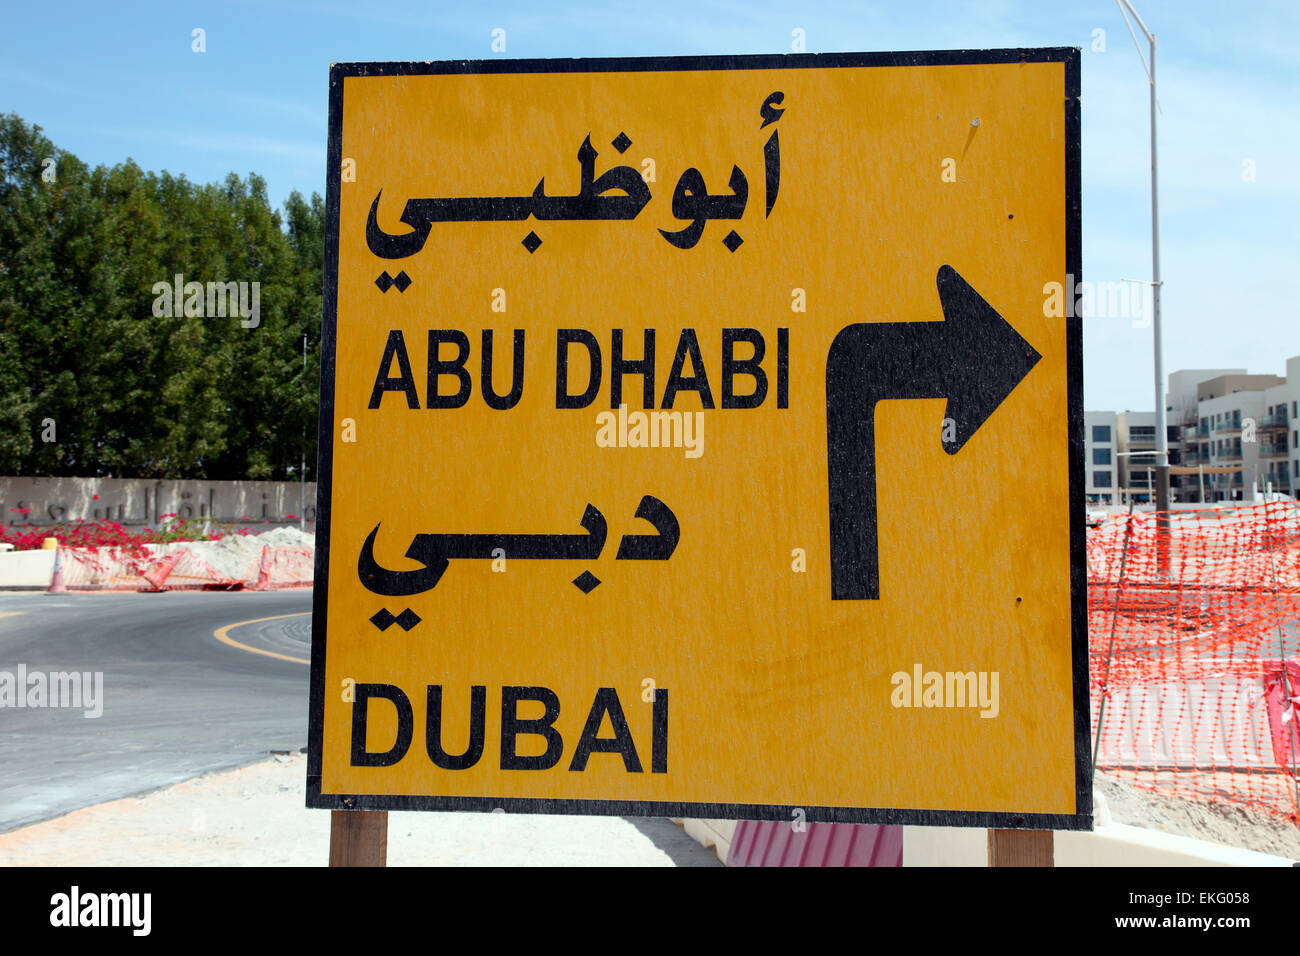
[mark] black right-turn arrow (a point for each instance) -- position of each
(973, 358)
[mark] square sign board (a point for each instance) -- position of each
(698, 439)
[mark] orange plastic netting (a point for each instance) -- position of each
(1190, 617)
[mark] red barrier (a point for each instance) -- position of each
(157, 575)
(799, 843)
(1282, 691)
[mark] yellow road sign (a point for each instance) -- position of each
(696, 440)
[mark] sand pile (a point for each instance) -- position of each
(236, 556)
(1223, 823)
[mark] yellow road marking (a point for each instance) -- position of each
(12, 613)
(223, 635)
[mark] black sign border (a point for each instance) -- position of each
(1082, 818)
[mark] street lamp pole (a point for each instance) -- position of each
(1162, 437)
(302, 460)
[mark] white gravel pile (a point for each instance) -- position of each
(287, 537)
(235, 555)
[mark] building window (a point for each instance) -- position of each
(1101, 479)
(1101, 433)
(1101, 456)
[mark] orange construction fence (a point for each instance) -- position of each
(1194, 643)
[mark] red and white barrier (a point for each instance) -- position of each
(177, 567)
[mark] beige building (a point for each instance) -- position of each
(1100, 437)
(1232, 436)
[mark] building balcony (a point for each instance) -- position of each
(1272, 451)
(1273, 422)
(1228, 428)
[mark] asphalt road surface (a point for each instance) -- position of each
(177, 702)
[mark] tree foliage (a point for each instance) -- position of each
(128, 393)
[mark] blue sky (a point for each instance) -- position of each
(109, 81)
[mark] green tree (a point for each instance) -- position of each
(137, 394)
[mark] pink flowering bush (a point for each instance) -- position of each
(111, 534)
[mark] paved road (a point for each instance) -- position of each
(176, 701)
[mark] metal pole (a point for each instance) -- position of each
(1162, 437)
(302, 460)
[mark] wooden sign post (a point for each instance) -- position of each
(1021, 848)
(359, 838)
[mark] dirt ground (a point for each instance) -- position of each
(1217, 822)
(254, 816)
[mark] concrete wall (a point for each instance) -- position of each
(1109, 844)
(141, 501)
(26, 569)
(1115, 844)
